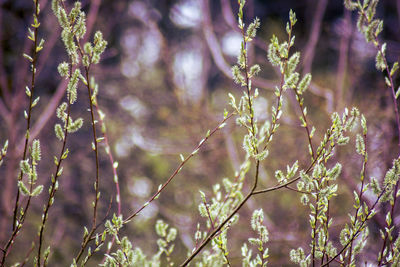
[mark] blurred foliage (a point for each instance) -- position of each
(162, 87)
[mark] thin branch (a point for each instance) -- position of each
(315, 32)
(343, 57)
(355, 234)
(47, 113)
(96, 152)
(91, 18)
(56, 98)
(213, 233)
(390, 77)
(305, 125)
(18, 222)
(4, 111)
(251, 130)
(257, 81)
(227, 13)
(53, 187)
(360, 194)
(314, 227)
(216, 51)
(28, 119)
(178, 169)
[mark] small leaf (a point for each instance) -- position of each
(115, 164)
(36, 152)
(65, 154)
(27, 91)
(394, 68)
(37, 191)
(398, 92)
(34, 103)
(59, 132)
(25, 167)
(27, 57)
(222, 125)
(22, 188)
(388, 82)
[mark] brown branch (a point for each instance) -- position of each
(343, 58)
(212, 41)
(177, 170)
(91, 17)
(216, 51)
(17, 222)
(251, 130)
(53, 187)
(315, 32)
(3, 110)
(360, 194)
(227, 13)
(46, 114)
(359, 229)
(257, 81)
(56, 98)
(218, 229)
(96, 152)
(48, 48)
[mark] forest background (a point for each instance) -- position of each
(163, 82)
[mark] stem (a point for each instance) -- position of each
(314, 230)
(53, 188)
(111, 159)
(216, 230)
(364, 166)
(300, 102)
(96, 184)
(17, 226)
(358, 229)
(177, 170)
(386, 232)
(396, 110)
(95, 148)
(253, 132)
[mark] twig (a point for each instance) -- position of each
(314, 36)
(213, 233)
(18, 222)
(360, 194)
(177, 170)
(46, 114)
(53, 187)
(343, 58)
(355, 234)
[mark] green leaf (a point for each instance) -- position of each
(27, 57)
(23, 189)
(27, 91)
(304, 83)
(36, 152)
(398, 92)
(63, 69)
(65, 154)
(72, 86)
(34, 103)
(394, 68)
(37, 191)
(252, 29)
(25, 167)
(59, 132)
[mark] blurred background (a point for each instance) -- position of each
(163, 82)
